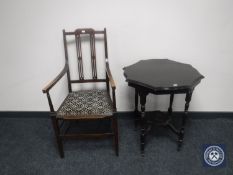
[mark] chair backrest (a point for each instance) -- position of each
(81, 37)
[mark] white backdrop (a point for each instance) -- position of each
(199, 32)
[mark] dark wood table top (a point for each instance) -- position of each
(162, 74)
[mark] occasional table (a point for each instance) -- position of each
(162, 76)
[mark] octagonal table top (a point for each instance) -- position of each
(162, 74)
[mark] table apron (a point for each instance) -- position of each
(161, 92)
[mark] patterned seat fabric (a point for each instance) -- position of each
(86, 102)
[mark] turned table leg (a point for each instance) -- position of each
(143, 120)
(184, 117)
(170, 105)
(136, 114)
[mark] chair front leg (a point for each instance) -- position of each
(57, 134)
(55, 126)
(115, 132)
(115, 123)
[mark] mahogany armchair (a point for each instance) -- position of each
(82, 104)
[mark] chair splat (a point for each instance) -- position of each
(93, 56)
(79, 56)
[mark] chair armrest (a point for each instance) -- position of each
(55, 80)
(111, 81)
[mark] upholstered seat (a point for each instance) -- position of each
(86, 103)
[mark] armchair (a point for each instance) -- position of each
(84, 104)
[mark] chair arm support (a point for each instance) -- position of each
(114, 99)
(111, 81)
(55, 80)
(113, 85)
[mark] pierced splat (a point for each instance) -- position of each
(78, 36)
(93, 56)
(79, 56)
